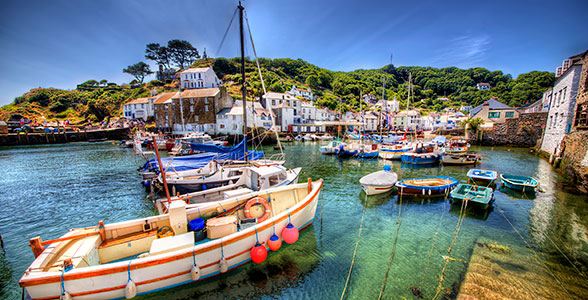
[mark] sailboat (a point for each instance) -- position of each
(141, 256)
(358, 149)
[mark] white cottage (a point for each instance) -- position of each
(562, 104)
(197, 78)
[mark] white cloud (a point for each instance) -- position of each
(464, 51)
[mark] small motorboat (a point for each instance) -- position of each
(429, 186)
(394, 151)
(457, 145)
(379, 182)
(482, 177)
(423, 154)
(482, 196)
(331, 147)
(519, 183)
(461, 159)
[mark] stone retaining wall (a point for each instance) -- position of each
(14, 139)
(573, 158)
(524, 131)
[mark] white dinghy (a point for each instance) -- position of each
(379, 182)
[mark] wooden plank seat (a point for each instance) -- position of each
(127, 238)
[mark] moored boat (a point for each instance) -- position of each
(135, 257)
(331, 147)
(428, 186)
(481, 196)
(482, 177)
(379, 182)
(519, 183)
(457, 145)
(393, 152)
(460, 159)
(423, 154)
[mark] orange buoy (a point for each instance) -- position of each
(274, 242)
(290, 234)
(256, 201)
(258, 253)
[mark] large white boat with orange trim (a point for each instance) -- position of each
(137, 257)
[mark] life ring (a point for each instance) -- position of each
(255, 201)
(164, 231)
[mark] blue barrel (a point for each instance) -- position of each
(196, 224)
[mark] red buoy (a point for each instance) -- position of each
(290, 234)
(258, 253)
(274, 242)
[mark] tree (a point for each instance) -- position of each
(182, 53)
(139, 71)
(161, 55)
(103, 82)
(313, 82)
(90, 82)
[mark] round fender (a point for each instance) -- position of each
(256, 201)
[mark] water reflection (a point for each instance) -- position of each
(473, 212)
(372, 201)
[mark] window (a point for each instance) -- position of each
(509, 114)
(205, 100)
(199, 75)
(195, 118)
(191, 108)
(564, 93)
(191, 101)
(494, 114)
(135, 106)
(273, 102)
(206, 108)
(142, 105)
(222, 126)
(582, 114)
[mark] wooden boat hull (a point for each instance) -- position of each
(460, 159)
(376, 189)
(482, 177)
(167, 270)
(519, 183)
(477, 195)
(368, 155)
(394, 154)
(420, 159)
(431, 186)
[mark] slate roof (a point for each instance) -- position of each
(197, 93)
(494, 105)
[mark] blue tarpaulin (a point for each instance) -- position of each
(197, 161)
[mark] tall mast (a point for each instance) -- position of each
(386, 103)
(243, 88)
(361, 114)
(408, 100)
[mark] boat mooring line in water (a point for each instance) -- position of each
(354, 252)
(433, 244)
(399, 220)
(555, 245)
(534, 252)
(462, 214)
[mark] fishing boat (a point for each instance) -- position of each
(423, 154)
(482, 177)
(394, 152)
(254, 177)
(457, 145)
(145, 255)
(481, 196)
(429, 186)
(379, 182)
(357, 150)
(460, 159)
(519, 183)
(331, 147)
(326, 137)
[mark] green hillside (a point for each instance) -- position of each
(96, 101)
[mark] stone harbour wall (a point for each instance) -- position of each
(14, 139)
(573, 158)
(524, 131)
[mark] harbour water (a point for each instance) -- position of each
(46, 190)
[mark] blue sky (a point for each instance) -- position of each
(63, 43)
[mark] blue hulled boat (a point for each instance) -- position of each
(428, 186)
(519, 183)
(482, 177)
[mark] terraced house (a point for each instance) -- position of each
(493, 111)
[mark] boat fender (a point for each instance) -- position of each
(195, 272)
(290, 234)
(429, 192)
(224, 266)
(274, 242)
(258, 253)
(423, 191)
(130, 290)
(65, 296)
(256, 201)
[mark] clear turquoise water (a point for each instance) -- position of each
(46, 190)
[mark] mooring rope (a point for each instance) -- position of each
(462, 213)
(354, 253)
(534, 252)
(399, 220)
(435, 238)
(554, 244)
